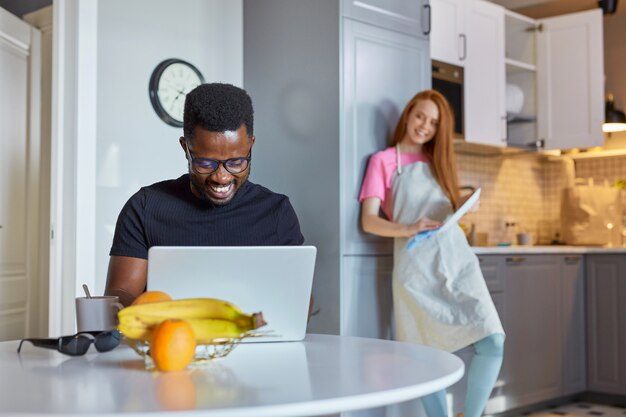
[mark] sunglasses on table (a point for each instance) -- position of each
(78, 344)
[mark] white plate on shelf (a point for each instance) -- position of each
(514, 98)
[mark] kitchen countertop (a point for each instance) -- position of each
(552, 249)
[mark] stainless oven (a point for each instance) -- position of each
(448, 80)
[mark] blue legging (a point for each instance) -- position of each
(481, 377)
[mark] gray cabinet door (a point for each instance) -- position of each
(573, 327)
(495, 404)
(366, 301)
(412, 17)
(532, 322)
(606, 315)
(382, 70)
(491, 267)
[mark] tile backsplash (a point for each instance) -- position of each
(525, 190)
(600, 169)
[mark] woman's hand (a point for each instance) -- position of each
(421, 225)
(372, 222)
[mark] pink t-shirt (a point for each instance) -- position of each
(380, 170)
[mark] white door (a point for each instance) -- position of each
(19, 164)
(485, 110)
(570, 78)
(447, 37)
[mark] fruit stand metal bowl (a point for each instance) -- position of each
(218, 348)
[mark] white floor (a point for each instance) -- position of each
(581, 410)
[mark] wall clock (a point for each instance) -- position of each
(170, 82)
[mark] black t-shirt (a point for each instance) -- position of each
(169, 214)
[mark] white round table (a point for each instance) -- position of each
(322, 375)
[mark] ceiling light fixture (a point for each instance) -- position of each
(614, 119)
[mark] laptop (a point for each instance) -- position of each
(450, 221)
(275, 280)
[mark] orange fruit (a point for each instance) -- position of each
(173, 345)
(151, 297)
(176, 391)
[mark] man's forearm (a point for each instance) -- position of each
(125, 297)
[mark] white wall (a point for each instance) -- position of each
(134, 147)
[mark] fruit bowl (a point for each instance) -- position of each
(205, 352)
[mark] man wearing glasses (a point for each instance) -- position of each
(213, 205)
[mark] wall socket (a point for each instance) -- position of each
(508, 222)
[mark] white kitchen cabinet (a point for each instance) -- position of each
(471, 34)
(484, 107)
(570, 80)
(553, 67)
(606, 315)
(448, 38)
(329, 80)
(558, 65)
(573, 330)
(521, 80)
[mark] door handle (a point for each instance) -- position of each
(427, 8)
(464, 46)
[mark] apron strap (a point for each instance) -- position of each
(399, 166)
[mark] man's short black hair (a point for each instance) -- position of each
(217, 107)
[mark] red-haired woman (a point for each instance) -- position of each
(439, 293)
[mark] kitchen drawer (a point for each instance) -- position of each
(491, 267)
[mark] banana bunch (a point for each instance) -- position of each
(210, 318)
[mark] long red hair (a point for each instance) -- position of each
(439, 149)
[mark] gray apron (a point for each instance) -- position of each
(439, 293)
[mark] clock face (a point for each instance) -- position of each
(171, 80)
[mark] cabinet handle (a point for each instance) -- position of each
(536, 28)
(572, 259)
(515, 260)
(427, 31)
(464, 46)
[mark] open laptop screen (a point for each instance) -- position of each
(275, 280)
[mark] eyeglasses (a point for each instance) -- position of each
(79, 343)
(206, 166)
